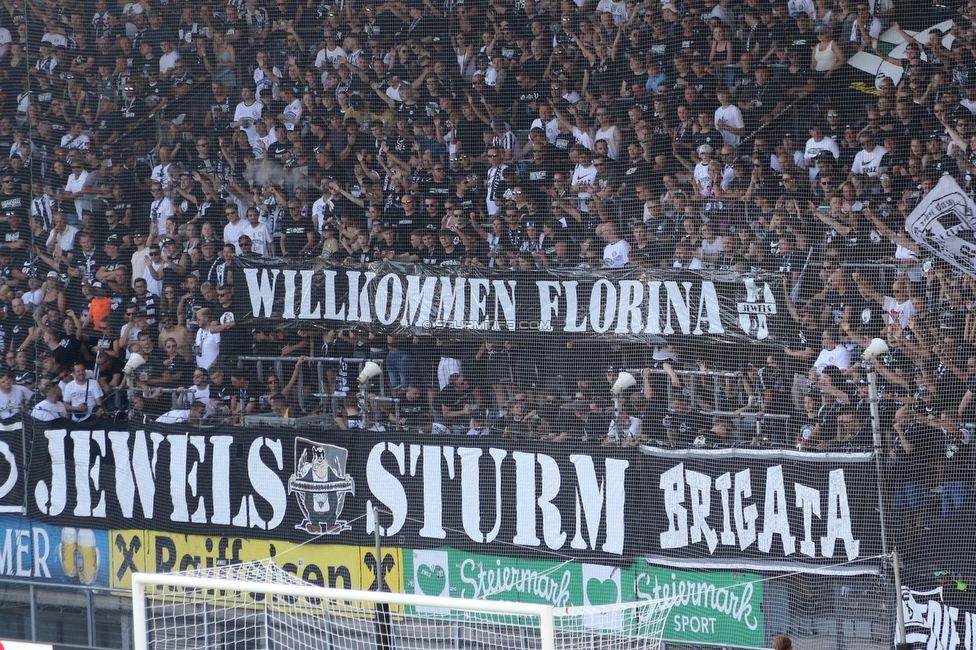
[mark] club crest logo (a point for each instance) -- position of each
(320, 484)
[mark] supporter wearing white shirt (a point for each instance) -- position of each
(796, 7)
(12, 396)
(129, 11)
(167, 62)
(547, 123)
(247, 113)
(74, 188)
(5, 41)
(868, 159)
(208, 338)
(584, 175)
(55, 39)
(199, 392)
(193, 414)
(728, 119)
(83, 396)
(832, 354)
(617, 9)
(50, 408)
(75, 139)
(154, 263)
(259, 233)
(160, 173)
(616, 254)
(235, 228)
(817, 144)
(330, 55)
(700, 173)
(267, 136)
(160, 210)
(292, 114)
(969, 101)
(321, 211)
(865, 27)
(899, 302)
(62, 237)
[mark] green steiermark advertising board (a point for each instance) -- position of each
(714, 608)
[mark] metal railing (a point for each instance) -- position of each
(706, 391)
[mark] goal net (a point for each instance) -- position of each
(259, 606)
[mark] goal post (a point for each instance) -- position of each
(259, 606)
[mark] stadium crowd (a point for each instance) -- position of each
(147, 145)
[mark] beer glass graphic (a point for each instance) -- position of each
(69, 545)
(86, 556)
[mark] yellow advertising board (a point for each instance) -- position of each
(328, 565)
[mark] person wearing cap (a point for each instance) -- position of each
(827, 56)
(701, 179)
(112, 262)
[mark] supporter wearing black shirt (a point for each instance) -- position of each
(18, 324)
(13, 199)
(469, 130)
(909, 125)
(683, 424)
(764, 102)
(455, 405)
(437, 185)
(201, 268)
(15, 238)
(113, 265)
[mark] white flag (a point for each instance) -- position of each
(943, 224)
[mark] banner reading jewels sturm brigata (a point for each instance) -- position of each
(732, 509)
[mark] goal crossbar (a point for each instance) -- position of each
(141, 580)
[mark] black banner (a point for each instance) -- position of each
(12, 468)
(478, 493)
(485, 495)
(740, 508)
(631, 304)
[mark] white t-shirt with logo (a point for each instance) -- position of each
(616, 256)
(10, 403)
(866, 162)
(86, 393)
(45, 411)
(839, 357)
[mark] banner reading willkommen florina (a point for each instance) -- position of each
(629, 303)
